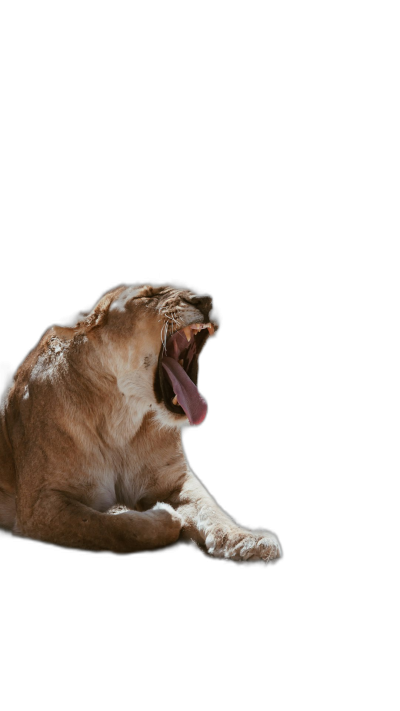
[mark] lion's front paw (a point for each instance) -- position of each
(243, 545)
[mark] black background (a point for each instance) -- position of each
(232, 214)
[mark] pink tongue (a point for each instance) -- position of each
(185, 390)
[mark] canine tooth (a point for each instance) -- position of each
(187, 332)
(181, 362)
(210, 328)
(175, 401)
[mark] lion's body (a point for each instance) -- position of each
(82, 429)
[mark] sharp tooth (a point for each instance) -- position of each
(175, 401)
(188, 333)
(181, 362)
(210, 329)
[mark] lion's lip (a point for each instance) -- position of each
(178, 368)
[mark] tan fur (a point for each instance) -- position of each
(81, 430)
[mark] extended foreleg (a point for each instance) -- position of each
(205, 522)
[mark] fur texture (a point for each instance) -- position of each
(84, 428)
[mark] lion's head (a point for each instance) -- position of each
(151, 338)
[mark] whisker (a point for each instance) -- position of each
(164, 332)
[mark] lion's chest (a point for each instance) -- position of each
(116, 475)
(139, 471)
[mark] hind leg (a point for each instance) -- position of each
(7, 510)
(58, 518)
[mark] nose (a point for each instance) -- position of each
(202, 302)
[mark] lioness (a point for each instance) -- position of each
(93, 420)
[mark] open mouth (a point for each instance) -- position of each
(176, 379)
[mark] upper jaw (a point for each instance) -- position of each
(196, 327)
